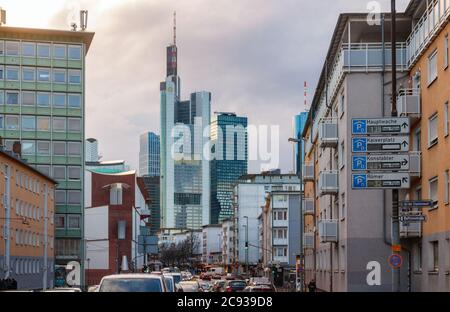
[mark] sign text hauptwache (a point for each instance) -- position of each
(380, 126)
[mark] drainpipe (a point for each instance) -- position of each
(7, 203)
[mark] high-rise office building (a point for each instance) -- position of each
(149, 154)
(42, 94)
(91, 150)
(299, 125)
(230, 162)
(185, 172)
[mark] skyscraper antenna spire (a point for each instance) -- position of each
(175, 28)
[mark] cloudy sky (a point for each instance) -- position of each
(253, 55)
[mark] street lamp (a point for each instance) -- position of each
(300, 277)
(246, 244)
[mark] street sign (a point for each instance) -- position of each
(395, 261)
(413, 218)
(380, 144)
(416, 203)
(371, 126)
(380, 162)
(381, 181)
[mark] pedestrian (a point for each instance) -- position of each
(312, 286)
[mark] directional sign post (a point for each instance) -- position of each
(380, 144)
(417, 203)
(380, 181)
(387, 162)
(380, 126)
(418, 218)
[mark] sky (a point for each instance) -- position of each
(252, 55)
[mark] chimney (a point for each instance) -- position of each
(17, 148)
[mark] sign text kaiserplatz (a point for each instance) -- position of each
(380, 126)
(380, 144)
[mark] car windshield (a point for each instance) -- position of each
(131, 285)
(176, 278)
(169, 283)
(238, 284)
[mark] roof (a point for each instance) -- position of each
(132, 275)
(114, 173)
(10, 155)
(47, 35)
(412, 6)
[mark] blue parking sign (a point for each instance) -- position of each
(359, 145)
(359, 181)
(359, 163)
(359, 126)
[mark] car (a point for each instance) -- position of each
(191, 286)
(205, 277)
(133, 283)
(156, 273)
(206, 287)
(176, 276)
(259, 288)
(93, 288)
(63, 289)
(235, 286)
(170, 283)
(218, 285)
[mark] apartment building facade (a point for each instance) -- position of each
(426, 102)
(42, 105)
(27, 235)
(347, 230)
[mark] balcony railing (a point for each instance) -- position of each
(415, 164)
(329, 182)
(308, 240)
(408, 103)
(328, 231)
(433, 19)
(328, 132)
(308, 206)
(308, 171)
(412, 230)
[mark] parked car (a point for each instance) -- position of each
(191, 286)
(170, 283)
(205, 277)
(64, 289)
(235, 286)
(218, 286)
(259, 288)
(176, 276)
(133, 283)
(206, 287)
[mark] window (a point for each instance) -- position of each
(28, 123)
(28, 148)
(447, 187)
(59, 100)
(74, 197)
(75, 53)
(433, 191)
(28, 74)
(28, 49)
(59, 51)
(435, 256)
(43, 75)
(43, 123)
(12, 48)
(59, 148)
(433, 130)
(2, 121)
(342, 155)
(12, 73)
(2, 49)
(1, 72)
(43, 148)
(115, 194)
(28, 98)
(59, 124)
(446, 125)
(74, 173)
(12, 122)
(417, 141)
(446, 52)
(74, 149)
(59, 76)
(74, 100)
(343, 207)
(73, 222)
(74, 124)
(342, 104)
(432, 67)
(43, 99)
(59, 172)
(75, 76)
(60, 197)
(60, 221)
(12, 98)
(43, 50)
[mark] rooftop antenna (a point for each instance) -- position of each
(305, 95)
(175, 28)
(2, 16)
(83, 19)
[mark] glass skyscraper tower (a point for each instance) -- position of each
(185, 190)
(230, 163)
(149, 154)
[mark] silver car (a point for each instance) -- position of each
(133, 283)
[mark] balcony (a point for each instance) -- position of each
(280, 223)
(426, 29)
(412, 230)
(308, 206)
(308, 171)
(328, 231)
(329, 182)
(328, 132)
(408, 103)
(415, 164)
(308, 240)
(280, 242)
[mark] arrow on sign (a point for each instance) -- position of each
(405, 162)
(405, 180)
(405, 144)
(405, 125)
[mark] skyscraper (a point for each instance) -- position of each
(299, 125)
(230, 163)
(42, 104)
(91, 150)
(185, 172)
(149, 154)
